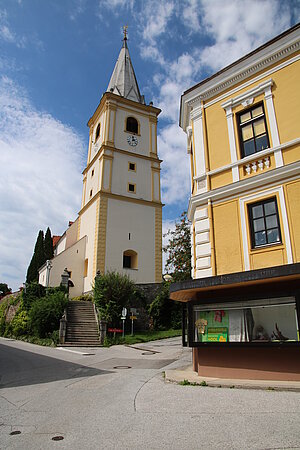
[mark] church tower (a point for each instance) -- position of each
(121, 211)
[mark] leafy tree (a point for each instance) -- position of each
(165, 312)
(37, 260)
(4, 289)
(48, 245)
(178, 250)
(112, 292)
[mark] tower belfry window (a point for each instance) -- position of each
(97, 132)
(132, 125)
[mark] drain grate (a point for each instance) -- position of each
(57, 438)
(122, 367)
(149, 352)
(13, 433)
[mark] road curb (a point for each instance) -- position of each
(187, 376)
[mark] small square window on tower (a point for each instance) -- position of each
(131, 188)
(91, 192)
(132, 167)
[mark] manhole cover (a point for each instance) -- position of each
(15, 432)
(122, 367)
(57, 438)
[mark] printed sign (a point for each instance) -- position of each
(217, 334)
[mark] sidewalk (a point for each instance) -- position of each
(186, 373)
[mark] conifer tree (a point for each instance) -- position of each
(48, 245)
(37, 259)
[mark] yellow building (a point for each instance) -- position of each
(243, 134)
(119, 226)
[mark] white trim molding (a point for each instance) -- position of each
(246, 99)
(233, 190)
(285, 226)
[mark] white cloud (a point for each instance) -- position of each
(175, 179)
(156, 15)
(239, 27)
(40, 182)
(190, 14)
(7, 34)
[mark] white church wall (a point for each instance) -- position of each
(72, 259)
(92, 181)
(121, 135)
(61, 244)
(121, 176)
(138, 220)
(87, 228)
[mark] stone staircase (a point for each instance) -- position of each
(82, 327)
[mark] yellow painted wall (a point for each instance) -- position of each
(291, 154)
(217, 137)
(227, 237)
(221, 179)
(269, 257)
(287, 101)
(292, 192)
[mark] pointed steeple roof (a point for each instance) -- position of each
(123, 81)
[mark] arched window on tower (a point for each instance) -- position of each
(132, 125)
(130, 259)
(97, 132)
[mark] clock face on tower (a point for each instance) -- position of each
(132, 140)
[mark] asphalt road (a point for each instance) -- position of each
(117, 398)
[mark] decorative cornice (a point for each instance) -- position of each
(247, 97)
(265, 62)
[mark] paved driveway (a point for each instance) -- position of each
(117, 398)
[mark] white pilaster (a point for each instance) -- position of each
(232, 144)
(273, 126)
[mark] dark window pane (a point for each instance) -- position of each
(257, 211)
(127, 261)
(270, 208)
(271, 222)
(260, 238)
(132, 125)
(258, 224)
(261, 143)
(273, 236)
(249, 147)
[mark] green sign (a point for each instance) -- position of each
(217, 334)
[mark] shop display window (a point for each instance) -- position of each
(259, 321)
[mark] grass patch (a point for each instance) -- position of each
(140, 337)
(189, 383)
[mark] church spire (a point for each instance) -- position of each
(123, 81)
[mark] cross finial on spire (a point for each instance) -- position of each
(125, 27)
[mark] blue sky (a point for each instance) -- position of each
(56, 59)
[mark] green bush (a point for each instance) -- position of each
(46, 312)
(20, 323)
(112, 292)
(165, 312)
(32, 293)
(3, 309)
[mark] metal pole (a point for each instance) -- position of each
(123, 320)
(131, 327)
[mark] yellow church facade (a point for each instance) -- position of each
(243, 141)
